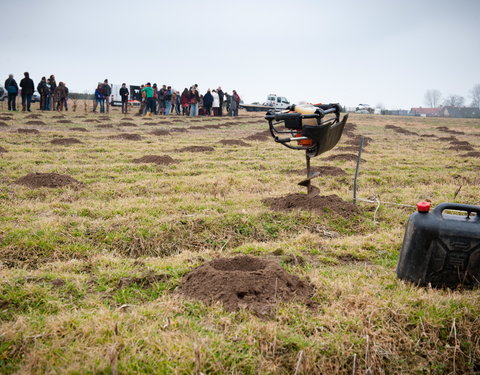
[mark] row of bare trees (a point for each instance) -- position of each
(433, 98)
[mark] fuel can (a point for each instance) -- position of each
(440, 249)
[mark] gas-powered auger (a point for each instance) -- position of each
(315, 129)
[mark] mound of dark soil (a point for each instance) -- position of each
(447, 130)
(33, 115)
(104, 118)
(350, 148)
(2, 149)
(64, 122)
(472, 154)
(92, 120)
(79, 129)
(50, 180)
(3, 124)
(35, 122)
(127, 124)
(59, 116)
(127, 119)
(460, 143)
(350, 127)
(127, 136)
(398, 129)
(160, 132)
(65, 141)
(105, 126)
(461, 148)
(451, 138)
(197, 127)
(345, 157)
(81, 116)
(233, 142)
(179, 130)
(245, 282)
(356, 141)
(318, 204)
(28, 131)
(428, 136)
(212, 126)
(260, 137)
(324, 170)
(196, 149)
(156, 159)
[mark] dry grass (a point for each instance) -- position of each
(89, 272)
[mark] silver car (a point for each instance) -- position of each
(3, 94)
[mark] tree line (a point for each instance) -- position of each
(433, 98)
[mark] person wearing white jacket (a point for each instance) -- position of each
(216, 102)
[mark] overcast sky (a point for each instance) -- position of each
(349, 51)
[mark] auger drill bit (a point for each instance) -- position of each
(312, 191)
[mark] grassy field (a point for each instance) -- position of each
(89, 271)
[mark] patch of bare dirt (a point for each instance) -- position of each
(2, 150)
(127, 119)
(160, 132)
(428, 136)
(461, 148)
(124, 123)
(398, 129)
(65, 141)
(344, 157)
(196, 149)
(104, 126)
(356, 141)
(233, 142)
(28, 131)
(33, 115)
(245, 282)
(92, 120)
(350, 148)
(350, 127)
(318, 204)
(127, 136)
(324, 170)
(59, 116)
(64, 122)
(179, 130)
(79, 129)
(50, 180)
(3, 124)
(35, 122)
(448, 139)
(473, 154)
(156, 159)
(448, 130)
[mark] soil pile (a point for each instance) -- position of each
(323, 170)
(447, 130)
(356, 141)
(318, 204)
(92, 120)
(160, 132)
(196, 149)
(127, 136)
(3, 124)
(398, 129)
(35, 122)
(79, 129)
(64, 122)
(65, 141)
(125, 123)
(50, 180)
(60, 116)
(473, 154)
(343, 157)
(105, 126)
(2, 150)
(127, 119)
(350, 148)
(33, 115)
(245, 282)
(180, 130)
(462, 147)
(156, 159)
(28, 131)
(233, 142)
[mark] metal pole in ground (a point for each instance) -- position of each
(356, 170)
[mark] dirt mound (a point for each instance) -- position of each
(245, 282)
(3, 124)
(461, 148)
(196, 149)
(447, 130)
(350, 127)
(92, 120)
(127, 124)
(64, 122)
(473, 154)
(324, 170)
(105, 126)
(460, 143)
(451, 138)
(257, 137)
(79, 129)
(398, 129)
(127, 136)
(160, 132)
(127, 119)
(33, 115)
(50, 180)
(350, 148)
(35, 122)
(156, 159)
(233, 142)
(428, 136)
(2, 150)
(28, 131)
(65, 141)
(180, 130)
(59, 116)
(345, 157)
(356, 141)
(318, 204)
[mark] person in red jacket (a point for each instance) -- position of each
(185, 102)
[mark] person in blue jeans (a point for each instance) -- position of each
(12, 90)
(28, 88)
(194, 99)
(168, 100)
(98, 99)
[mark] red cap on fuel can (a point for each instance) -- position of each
(423, 206)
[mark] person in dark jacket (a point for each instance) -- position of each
(98, 99)
(185, 102)
(43, 90)
(61, 96)
(124, 95)
(12, 90)
(53, 87)
(28, 88)
(208, 102)
(107, 91)
(220, 97)
(194, 100)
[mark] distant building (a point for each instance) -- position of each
(429, 112)
(449, 111)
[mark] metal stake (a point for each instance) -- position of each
(356, 170)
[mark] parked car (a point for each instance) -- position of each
(364, 108)
(3, 94)
(35, 97)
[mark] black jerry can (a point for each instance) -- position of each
(442, 250)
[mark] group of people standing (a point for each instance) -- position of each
(190, 103)
(102, 97)
(52, 97)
